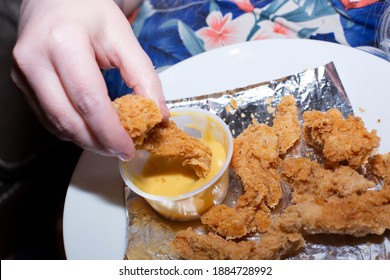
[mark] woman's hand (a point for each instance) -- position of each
(61, 47)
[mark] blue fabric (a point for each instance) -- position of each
(361, 25)
(172, 31)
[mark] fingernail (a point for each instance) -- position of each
(124, 157)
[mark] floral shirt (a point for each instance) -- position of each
(173, 30)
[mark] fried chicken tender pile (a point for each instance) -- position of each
(334, 197)
(142, 119)
(256, 159)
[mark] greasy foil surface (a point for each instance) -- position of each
(150, 235)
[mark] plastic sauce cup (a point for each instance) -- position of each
(187, 206)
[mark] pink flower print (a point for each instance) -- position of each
(280, 29)
(222, 30)
(273, 30)
(244, 5)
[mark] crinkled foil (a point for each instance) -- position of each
(150, 235)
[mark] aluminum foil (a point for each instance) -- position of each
(150, 235)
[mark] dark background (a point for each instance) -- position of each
(35, 167)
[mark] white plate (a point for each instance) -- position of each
(95, 222)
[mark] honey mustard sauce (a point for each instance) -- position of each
(168, 177)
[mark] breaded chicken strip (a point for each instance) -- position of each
(138, 115)
(167, 140)
(340, 140)
(286, 123)
(228, 222)
(233, 223)
(256, 155)
(356, 215)
(272, 245)
(193, 246)
(141, 118)
(310, 180)
(255, 158)
(276, 244)
(262, 219)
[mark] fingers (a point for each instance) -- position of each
(57, 103)
(84, 85)
(136, 68)
(52, 106)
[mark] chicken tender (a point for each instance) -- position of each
(310, 180)
(233, 223)
(272, 245)
(258, 142)
(255, 157)
(228, 222)
(356, 215)
(340, 140)
(262, 219)
(286, 124)
(142, 119)
(193, 246)
(138, 115)
(275, 245)
(167, 140)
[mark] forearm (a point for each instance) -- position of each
(128, 6)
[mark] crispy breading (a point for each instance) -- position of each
(286, 123)
(260, 188)
(276, 244)
(256, 158)
(273, 245)
(193, 246)
(258, 142)
(381, 166)
(262, 219)
(309, 180)
(167, 140)
(138, 115)
(233, 223)
(340, 140)
(356, 215)
(229, 222)
(142, 119)
(255, 155)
